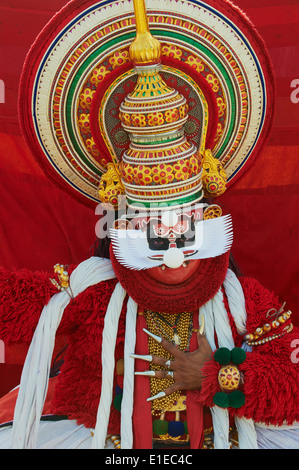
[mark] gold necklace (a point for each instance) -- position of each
(180, 332)
(157, 318)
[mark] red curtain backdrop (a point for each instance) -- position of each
(41, 225)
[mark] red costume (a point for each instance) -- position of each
(168, 143)
(77, 391)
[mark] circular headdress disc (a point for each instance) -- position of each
(78, 72)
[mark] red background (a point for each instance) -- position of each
(41, 225)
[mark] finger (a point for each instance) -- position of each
(168, 363)
(202, 324)
(159, 361)
(168, 391)
(158, 374)
(143, 357)
(204, 347)
(171, 348)
(200, 338)
(163, 362)
(201, 335)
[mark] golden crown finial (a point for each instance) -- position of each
(145, 49)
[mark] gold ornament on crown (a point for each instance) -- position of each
(214, 177)
(111, 187)
(212, 212)
(145, 49)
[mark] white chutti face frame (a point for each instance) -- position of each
(211, 238)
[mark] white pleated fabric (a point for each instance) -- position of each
(127, 404)
(108, 365)
(65, 434)
(35, 375)
(36, 370)
(62, 434)
(278, 437)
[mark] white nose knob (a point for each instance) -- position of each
(173, 258)
(169, 218)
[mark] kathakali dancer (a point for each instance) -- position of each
(149, 114)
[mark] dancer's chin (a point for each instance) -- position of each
(174, 276)
(173, 290)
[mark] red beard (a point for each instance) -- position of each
(189, 295)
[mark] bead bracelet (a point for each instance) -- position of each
(267, 327)
(286, 329)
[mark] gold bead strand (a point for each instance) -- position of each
(184, 329)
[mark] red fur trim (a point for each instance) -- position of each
(23, 295)
(258, 301)
(188, 296)
(271, 383)
(209, 384)
(271, 378)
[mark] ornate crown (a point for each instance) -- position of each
(165, 101)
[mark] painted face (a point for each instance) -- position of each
(174, 276)
(170, 239)
(180, 235)
(171, 232)
(173, 290)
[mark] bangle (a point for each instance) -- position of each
(229, 378)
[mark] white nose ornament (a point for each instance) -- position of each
(173, 258)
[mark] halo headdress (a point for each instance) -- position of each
(166, 106)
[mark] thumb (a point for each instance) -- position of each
(200, 338)
(201, 329)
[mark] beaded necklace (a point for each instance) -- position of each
(179, 333)
(175, 339)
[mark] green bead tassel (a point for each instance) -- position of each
(117, 401)
(160, 427)
(222, 356)
(238, 355)
(234, 399)
(237, 399)
(221, 399)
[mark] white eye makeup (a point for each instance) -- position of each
(212, 238)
